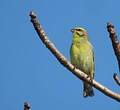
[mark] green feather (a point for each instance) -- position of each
(82, 56)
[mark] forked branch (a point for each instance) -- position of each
(81, 75)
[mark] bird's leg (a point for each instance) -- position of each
(91, 79)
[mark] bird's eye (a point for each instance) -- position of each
(78, 29)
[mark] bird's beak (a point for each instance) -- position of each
(72, 30)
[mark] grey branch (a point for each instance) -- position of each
(81, 75)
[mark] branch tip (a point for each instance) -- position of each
(32, 14)
(26, 106)
(109, 25)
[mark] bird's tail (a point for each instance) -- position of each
(88, 90)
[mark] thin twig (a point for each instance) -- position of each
(66, 63)
(116, 79)
(26, 106)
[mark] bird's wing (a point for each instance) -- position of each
(93, 64)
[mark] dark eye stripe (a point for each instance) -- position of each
(81, 34)
(77, 33)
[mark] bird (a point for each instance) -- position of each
(82, 57)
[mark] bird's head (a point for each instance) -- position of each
(80, 33)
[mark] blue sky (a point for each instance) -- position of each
(29, 72)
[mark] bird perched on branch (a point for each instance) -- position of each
(82, 57)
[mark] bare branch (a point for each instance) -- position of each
(116, 47)
(115, 42)
(116, 79)
(66, 63)
(26, 106)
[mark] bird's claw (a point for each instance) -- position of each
(91, 80)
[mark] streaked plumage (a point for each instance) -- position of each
(82, 56)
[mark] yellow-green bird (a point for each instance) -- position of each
(82, 56)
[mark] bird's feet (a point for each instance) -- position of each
(91, 79)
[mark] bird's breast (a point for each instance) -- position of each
(81, 55)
